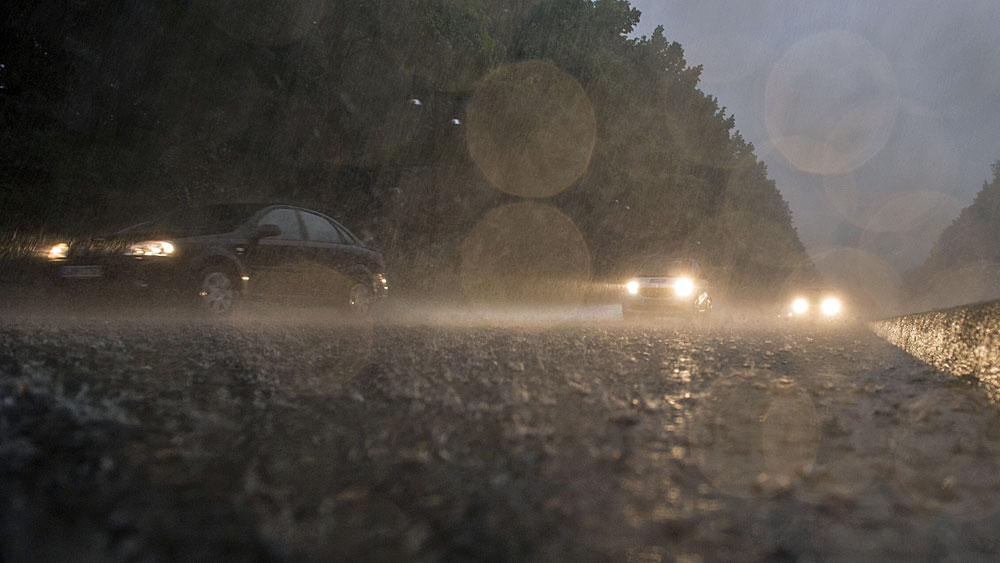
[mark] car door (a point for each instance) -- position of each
(276, 263)
(332, 256)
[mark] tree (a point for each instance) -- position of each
(974, 233)
(362, 109)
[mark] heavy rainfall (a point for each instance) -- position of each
(454, 280)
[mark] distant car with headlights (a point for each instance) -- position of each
(214, 255)
(666, 286)
(820, 303)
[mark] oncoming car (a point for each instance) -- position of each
(666, 286)
(213, 255)
(815, 304)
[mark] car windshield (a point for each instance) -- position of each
(195, 221)
(667, 268)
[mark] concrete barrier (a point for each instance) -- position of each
(963, 341)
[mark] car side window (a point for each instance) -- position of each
(287, 220)
(321, 230)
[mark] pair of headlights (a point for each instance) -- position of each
(683, 287)
(829, 306)
(146, 248)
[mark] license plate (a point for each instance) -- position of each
(80, 271)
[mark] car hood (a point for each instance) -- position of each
(667, 280)
(118, 243)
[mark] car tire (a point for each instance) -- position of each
(360, 298)
(217, 291)
(704, 308)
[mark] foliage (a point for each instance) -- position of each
(972, 236)
(964, 264)
(113, 110)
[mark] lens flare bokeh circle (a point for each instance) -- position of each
(531, 129)
(525, 253)
(831, 103)
(754, 433)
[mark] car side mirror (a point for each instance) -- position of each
(266, 230)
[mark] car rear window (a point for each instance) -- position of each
(321, 230)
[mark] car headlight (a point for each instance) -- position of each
(58, 251)
(683, 287)
(632, 287)
(830, 306)
(151, 248)
(800, 306)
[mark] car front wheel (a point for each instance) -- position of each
(360, 298)
(217, 292)
(705, 307)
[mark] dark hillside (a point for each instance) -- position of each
(409, 121)
(964, 263)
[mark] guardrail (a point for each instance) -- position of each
(963, 341)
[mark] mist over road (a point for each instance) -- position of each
(573, 438)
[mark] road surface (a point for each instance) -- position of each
(482, 438)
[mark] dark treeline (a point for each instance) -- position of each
(964, 264)
(401, 118)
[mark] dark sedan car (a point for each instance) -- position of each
(665, 286)
(212, 255)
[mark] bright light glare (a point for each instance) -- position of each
(830, 306)
(59, 251)
(151, 248)
(800, 306)
(632, 287)
(684, 287)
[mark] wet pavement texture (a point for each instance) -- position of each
(672, 440)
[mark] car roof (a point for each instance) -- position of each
(250, 208)
(243, 210)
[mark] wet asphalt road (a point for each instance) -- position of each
(482, 438)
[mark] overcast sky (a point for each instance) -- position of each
(878, 119)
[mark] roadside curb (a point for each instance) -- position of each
(963, 341)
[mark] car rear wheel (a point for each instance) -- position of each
(217, 292)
